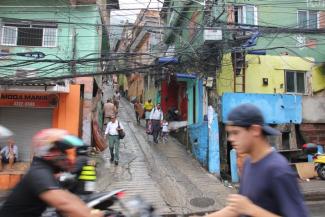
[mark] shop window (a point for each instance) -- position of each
(308, 19)
(295, 82)
(19, 34)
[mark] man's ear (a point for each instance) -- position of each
(256, 130)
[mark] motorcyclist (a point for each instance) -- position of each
(54, 152)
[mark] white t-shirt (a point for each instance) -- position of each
(156, 114)
(111, 128)
(165, 127)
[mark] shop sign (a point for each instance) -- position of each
(32, 100)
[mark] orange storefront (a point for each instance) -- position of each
(26, 112)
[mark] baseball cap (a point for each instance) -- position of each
(246, 115)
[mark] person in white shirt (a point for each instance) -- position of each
(156, 118)
(113, 138)
(9, 154)
(116, 98)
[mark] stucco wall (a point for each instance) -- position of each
(313, 109)
(270, 67)
(278, 13)
(79, 21)
(276, 108)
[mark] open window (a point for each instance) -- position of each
(245, 14)
(29, 34)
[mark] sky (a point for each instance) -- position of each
(131, 8)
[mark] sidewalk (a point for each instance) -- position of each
(132, 173)
(185, 185)
(314, 190)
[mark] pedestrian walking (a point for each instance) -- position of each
(165, 131)
(116, 98)
(112, 132)
(109, 110)
(148, 106)
(156, 118)
(138, 111)
(268, 185)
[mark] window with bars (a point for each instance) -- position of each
(308, 19)
(295, 82)
(29, 35)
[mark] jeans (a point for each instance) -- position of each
(114, 147)
(155, 130)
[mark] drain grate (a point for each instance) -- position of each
(202, 202)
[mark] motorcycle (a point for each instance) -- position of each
(104, 201)
(318, 159)
(136, 207)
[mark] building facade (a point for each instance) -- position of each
(44, 48)
(250, 51)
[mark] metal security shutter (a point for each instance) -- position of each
(25, 122)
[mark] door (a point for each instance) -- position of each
(25, 122)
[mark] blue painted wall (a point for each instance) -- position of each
(276, 108)
(198, 135)
(233, 166)
(214, 149)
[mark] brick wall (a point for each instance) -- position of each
(313, 133)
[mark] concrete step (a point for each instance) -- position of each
(184, 183)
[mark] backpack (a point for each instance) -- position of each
(121, 133)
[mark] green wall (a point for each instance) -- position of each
(88, 37)
(283, 14)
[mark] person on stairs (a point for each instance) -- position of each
(113, 138)
(156, 118)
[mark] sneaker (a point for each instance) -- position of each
(116, 162)
(112, 159)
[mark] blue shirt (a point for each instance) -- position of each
(271, 184)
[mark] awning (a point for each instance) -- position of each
(163, 60)
(187, 76)
(35, 86)
(31, 83)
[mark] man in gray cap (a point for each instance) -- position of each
(268, 186)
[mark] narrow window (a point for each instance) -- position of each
(295, 82)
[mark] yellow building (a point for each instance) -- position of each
(272, 74)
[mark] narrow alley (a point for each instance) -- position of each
(164, 174)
